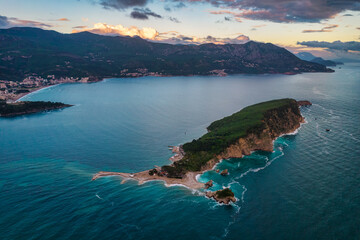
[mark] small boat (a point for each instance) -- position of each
(328, 130)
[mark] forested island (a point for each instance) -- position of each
(22, 108)
(252, 128)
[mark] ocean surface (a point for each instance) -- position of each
(308, 188)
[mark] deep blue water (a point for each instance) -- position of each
(308, 188)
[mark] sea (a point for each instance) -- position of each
(307, 188)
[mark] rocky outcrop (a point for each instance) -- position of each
(209, 184)
(304, 103)
(222, 196)
(224, 172)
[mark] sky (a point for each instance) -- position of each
(327, 28)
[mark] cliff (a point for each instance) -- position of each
(277, 121)
(253, 128)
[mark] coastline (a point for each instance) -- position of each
(13, 98)
(191, 178)
(21, 95)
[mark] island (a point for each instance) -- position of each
(27, 107)
(222, 196)
(252, 128)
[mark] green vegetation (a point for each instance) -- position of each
(224, 193)
(153, 171)
(21, 108)
(223, 133)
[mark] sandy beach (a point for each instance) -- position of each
(21, 95)
(188, 181)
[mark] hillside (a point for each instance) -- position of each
(33, 51)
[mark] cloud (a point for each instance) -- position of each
(143, 14)
(338, 49)
(152, 34)
(174, 37)
(174, 19)
(174, 7)
(122, 4)
(79, 27)
(255, 27)
(63, 19)
(284, 10)
(15, 22)
(336, 45)
(3, 21)
(106, 29)
(328, 28)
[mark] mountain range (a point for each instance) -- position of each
(33, 51)
(311, 58)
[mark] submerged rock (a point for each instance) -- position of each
(222, 196)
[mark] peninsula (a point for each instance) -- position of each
(22, 108)
(252, 128)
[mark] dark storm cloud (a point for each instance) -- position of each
(143, 14)
(337, 45)
(285, 10)
(122, 4)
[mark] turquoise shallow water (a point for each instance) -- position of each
(308, 188)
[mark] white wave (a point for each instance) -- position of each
(98, 197)
(243, 194)
(197, 177)
(214, 167)
(260, 168)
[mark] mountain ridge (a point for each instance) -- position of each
(33, 51)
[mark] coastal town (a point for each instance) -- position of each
(11, 91)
